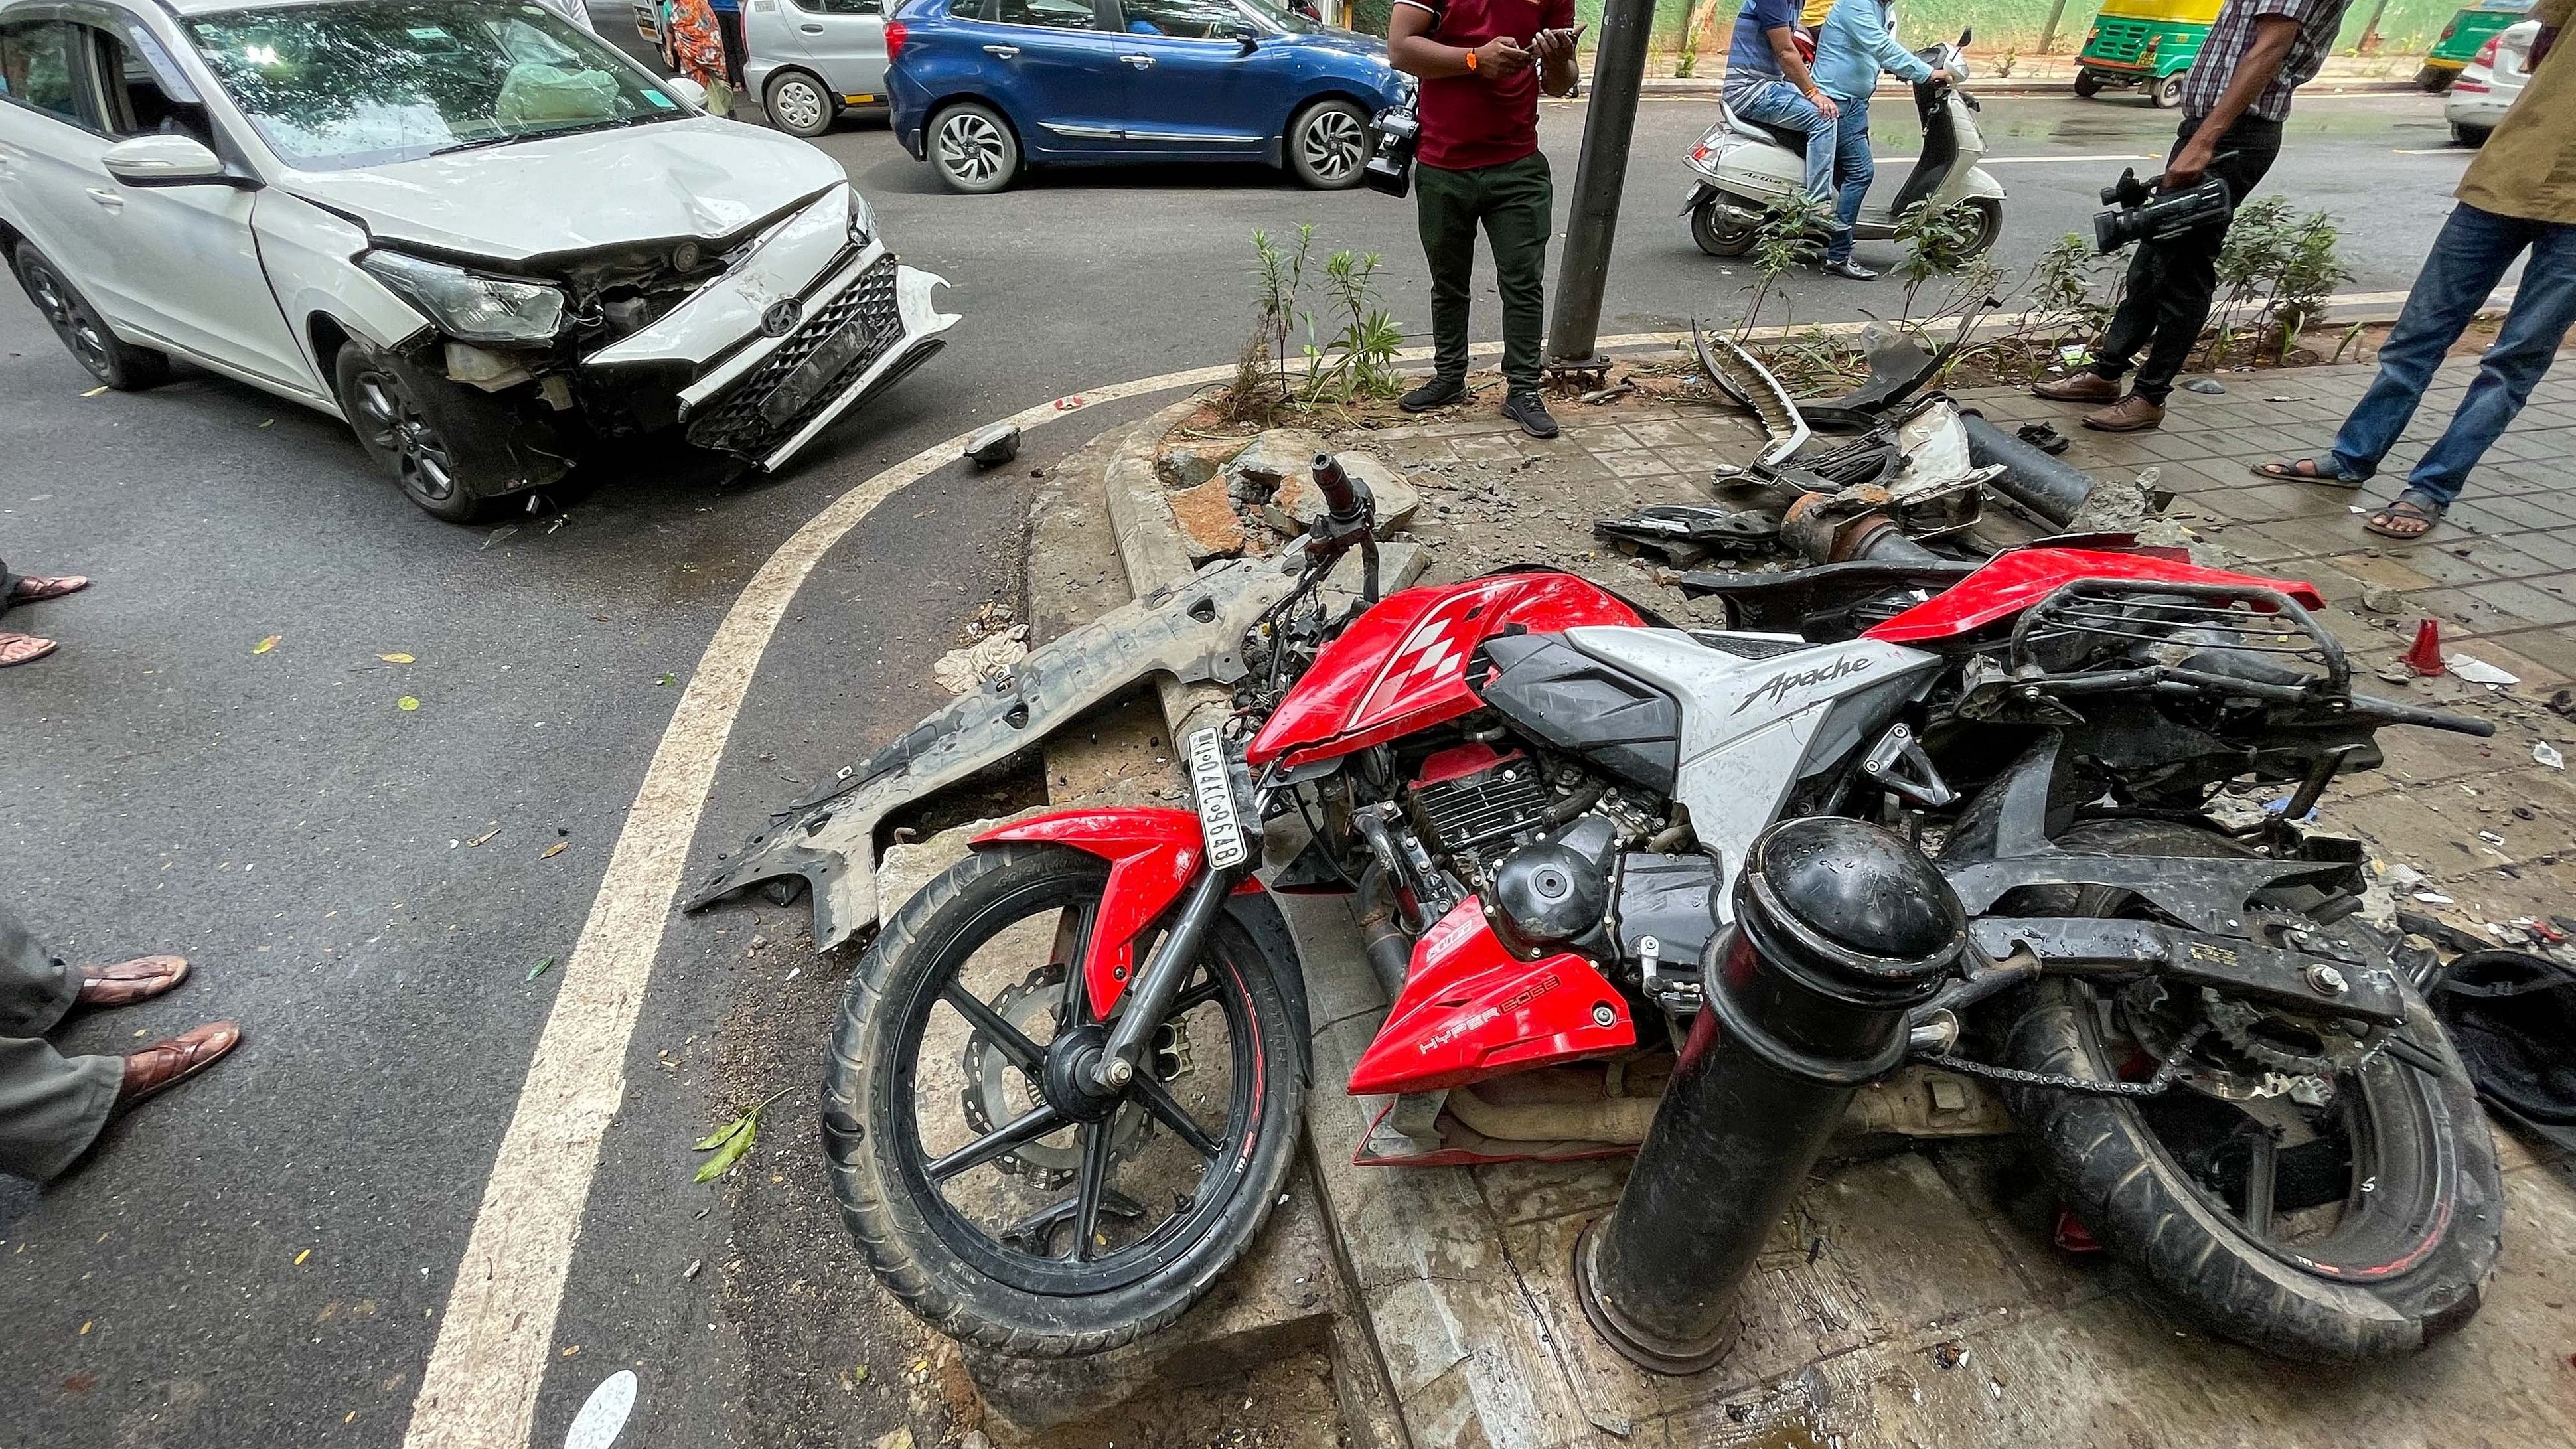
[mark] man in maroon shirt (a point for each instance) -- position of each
(1482, 64)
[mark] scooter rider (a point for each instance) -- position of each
(1853, 46)
(1767, 81)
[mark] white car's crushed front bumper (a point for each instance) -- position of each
(868, 326)
(794, 336)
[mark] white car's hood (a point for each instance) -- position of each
(700, 177)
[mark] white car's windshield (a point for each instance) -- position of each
(336, 86)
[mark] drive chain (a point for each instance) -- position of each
(2169, 1072)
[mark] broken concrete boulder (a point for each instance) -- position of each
(1269, 461)
(1189, 464)
(1210, 527)
(1296, 505)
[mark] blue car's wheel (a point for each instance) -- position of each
(973, 149)
(1328, 144)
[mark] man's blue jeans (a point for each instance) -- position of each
(1777, 103)
(2469, 258)
(1854, 170)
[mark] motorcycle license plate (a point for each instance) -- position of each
(1217, 814)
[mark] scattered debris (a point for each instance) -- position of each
(2564, 702)
(2478, 671)
(2209, 385)
(965, 670)
(603, 1414)
(265, 645)
(2547, 754)
(396, 658)
(2045, 438)
(486, 837)
(555, 849)
(407, 703)
(1611, 393)
(498, 534)
(994, 446)
(2380, 599)
(540, 969)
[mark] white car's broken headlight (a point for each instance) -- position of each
(863, 219)
(468, 307)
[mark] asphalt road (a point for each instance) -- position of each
(262, 1257)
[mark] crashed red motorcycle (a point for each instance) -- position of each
(1068, 1076)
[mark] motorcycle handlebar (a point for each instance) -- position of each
(2389, 711)
(1335, 487)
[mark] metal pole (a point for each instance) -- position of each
(1618, 72)
(2048, 32)
(1840, 927)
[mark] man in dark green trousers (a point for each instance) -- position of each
(1482, 64)
(52, 1106)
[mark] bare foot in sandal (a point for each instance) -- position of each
(2409, 517)
(23, 649)
(33, 590)
(2304, 470)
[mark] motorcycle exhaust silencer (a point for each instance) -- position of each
(2053, 490)
(1841, 927)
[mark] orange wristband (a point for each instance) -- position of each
(1471, 60)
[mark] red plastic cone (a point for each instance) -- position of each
(2425, 655)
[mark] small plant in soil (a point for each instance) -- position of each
(1786, 236)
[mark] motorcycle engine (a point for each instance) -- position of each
(1542, 850)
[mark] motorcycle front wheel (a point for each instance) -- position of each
(2362, 1229)
(1004, 1208)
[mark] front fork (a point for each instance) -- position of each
(1150, 999)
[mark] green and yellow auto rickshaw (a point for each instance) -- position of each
(2470, 29)
(2146, 43)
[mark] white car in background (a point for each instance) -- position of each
(468, 227)
(2490, 84)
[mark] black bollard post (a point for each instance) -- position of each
(1839, 928)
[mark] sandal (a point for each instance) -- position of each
(24, 649)
(2412, 516)
(2304, 470)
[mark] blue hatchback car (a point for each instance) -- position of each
(981, 88)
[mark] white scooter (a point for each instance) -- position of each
(1744, 166)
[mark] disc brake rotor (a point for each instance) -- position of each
(996, 1091)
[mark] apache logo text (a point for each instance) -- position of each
(1777, 687)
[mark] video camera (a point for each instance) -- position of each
(2143, 211)
(1390, 163)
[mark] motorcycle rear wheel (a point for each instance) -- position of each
(2408, 1252)
(1161, 1195)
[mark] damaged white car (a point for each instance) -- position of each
(471, 229)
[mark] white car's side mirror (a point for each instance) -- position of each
(166, 161)
(687, 90)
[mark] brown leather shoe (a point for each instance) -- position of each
(168, 1063)
(2081, 387)
(128, 982)
(2131, 414)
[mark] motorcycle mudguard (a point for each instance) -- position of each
(1701, 193)
(1471, 1009)
(1152, 855)
(1193, 632)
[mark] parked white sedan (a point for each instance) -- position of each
(466, 226)
(2488, 87)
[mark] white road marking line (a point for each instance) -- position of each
(480, 1388)
(2433, 151)
(2015, 160)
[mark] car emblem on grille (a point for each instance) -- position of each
(782, 317)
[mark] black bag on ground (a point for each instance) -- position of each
(2513, 1017)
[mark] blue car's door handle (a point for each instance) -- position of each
(1006, 52)
(1141, 62)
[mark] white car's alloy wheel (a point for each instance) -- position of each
(799, 106)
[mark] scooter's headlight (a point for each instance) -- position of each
(1961, 66)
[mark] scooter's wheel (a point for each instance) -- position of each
(2356, 1218)
(1002, 1203)
(1990, 226)
(1717, 232)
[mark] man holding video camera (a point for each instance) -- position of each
(2233, 102)
(1483, 64)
